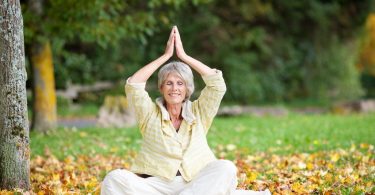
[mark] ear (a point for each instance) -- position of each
(161, 89)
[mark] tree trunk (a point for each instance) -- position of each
(14, 128)
(367, 55)
(44, 94)
(44, 100)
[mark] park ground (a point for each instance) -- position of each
(289, 154)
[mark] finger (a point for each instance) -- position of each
(170, 44)
(172, 39)
(178, 37)
(177, 32)
(171, 34)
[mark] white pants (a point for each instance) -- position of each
(217, 178)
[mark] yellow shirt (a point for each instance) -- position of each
(164, 151)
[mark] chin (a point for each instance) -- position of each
(174, 101)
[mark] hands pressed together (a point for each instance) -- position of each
(174, 42)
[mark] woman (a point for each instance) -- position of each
(175, 157)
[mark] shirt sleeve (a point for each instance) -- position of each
(140, 102)
(209, 100)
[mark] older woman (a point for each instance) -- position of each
(175, 157)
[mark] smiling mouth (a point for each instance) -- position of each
(174, 94)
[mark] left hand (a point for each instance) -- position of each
(180, 52)
(170, 44)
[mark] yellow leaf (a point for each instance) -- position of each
(92, 183)
(312, 187)
(348, 180)
(328, 177)
(297, 187)
(68, 160)
(83, 134)
(38, 177)
(41, 193)
(310, 166)
(364, 146)
(69, 168)
(330, 166)
(82, 167)
(335, 157)
(114, 149)
(56, 177)
(251, 176)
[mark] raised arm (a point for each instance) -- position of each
(142, 75)
(198, 66)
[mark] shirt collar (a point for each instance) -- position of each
(187, 113)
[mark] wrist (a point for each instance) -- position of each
(184, 57)
(165, 57)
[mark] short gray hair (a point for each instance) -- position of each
(181, 69)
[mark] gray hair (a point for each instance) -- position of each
(181, 69)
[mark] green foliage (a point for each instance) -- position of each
(280, 36)
(246, 88)
(368, 82)
(269, 51)
(332, 74)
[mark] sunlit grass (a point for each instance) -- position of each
(294, 132)
(293, 154)
(285, 134)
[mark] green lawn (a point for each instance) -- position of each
(294, 133)
(283, 135)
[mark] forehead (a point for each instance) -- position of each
(173, 76)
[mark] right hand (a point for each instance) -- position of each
(170, 44)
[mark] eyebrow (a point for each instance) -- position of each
(172, 81)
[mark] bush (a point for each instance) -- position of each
(332, 74)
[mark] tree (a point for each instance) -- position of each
(14, 129)
(71, 23)
(63, 31)
(287, 49)
(44, 96)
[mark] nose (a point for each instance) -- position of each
(174, 87)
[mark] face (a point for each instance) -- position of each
(173, 89)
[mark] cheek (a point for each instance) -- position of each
(184, 91)
(164, 88)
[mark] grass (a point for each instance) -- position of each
(293, 133)
(293, 154)
(76, 110)
(86, 110)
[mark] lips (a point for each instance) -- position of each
(174, 94)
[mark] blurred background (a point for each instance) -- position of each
(300, 76)
(315, 53)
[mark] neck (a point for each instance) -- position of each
(174, 110)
